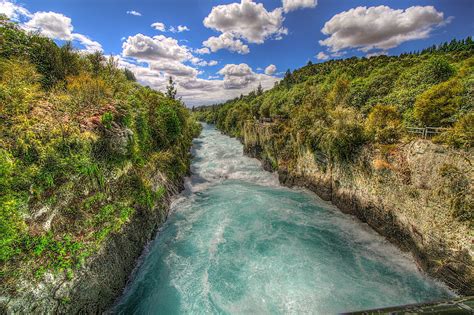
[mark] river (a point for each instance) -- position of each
(236, 242)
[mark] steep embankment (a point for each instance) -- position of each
(88, 162)
(100, 279)
(407, 194)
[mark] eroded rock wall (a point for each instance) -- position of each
(410, 193)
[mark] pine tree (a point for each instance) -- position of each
(259, 89)
(171, 89)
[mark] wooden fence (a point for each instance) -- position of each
(426, 132)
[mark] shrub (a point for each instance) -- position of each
(19, 87)
(462, 134)
(87, 92)
(437, 106)
(344, 135)
(383, 124)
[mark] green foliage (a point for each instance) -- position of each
(336, 106)
(19, 87)
(462, 133)
(437, 106)
(66, 118)
(107, 119)
(344, 135)
(171, 89)
(383, 124)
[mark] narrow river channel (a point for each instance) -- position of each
(236, 242)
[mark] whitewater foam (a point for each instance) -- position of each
(238, 242)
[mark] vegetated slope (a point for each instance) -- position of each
(344, 129)
(84, 152)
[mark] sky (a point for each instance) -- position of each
(217, 50)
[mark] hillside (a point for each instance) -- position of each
(88, 161)
(354, 131)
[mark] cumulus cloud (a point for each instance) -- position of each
(133, 12)
(58, 26)
(247, 20)
(51, 24)
(202, 51)
(291, 5)
(173, 68)
(147, 48)
(237, 76)
(226, 41)
(159, 26)
(13, 11)
(271, 69)
(322, 56)
(379, 27)
(89, 44)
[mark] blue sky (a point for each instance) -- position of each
(247, 36)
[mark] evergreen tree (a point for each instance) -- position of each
(259, 89)
(171, 89)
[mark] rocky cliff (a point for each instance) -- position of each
(114, 216)
(101, 279)
(418, 194)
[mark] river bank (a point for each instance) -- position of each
(405, 195)
(236, 241)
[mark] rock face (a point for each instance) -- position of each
(94, 287)
(418, 195)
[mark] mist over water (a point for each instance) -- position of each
(237, 242)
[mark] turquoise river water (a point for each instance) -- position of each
(236, 242)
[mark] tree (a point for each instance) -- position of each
(171, 89)
(96, 60)
(259, 89)
(129, 75)
(437, 105)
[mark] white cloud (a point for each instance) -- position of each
(291, 5)
(202, 51)
(379, 27)
(147, 48)
(13, 11)
(202, 63)
(226, 41)
(159, 26)
(51, 24)
(377, 53)
(237, 76)
(322, 56)
(271, 69)
(173, 68)
(133, 12)
(247, 20)
(58, 26)
(179, 29)
(89, 44)
(182, 28)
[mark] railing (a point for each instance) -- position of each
(426, 132)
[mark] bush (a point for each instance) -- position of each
(462, 134)
(19, 87)
(87, 92)
(383, 124)
(344, 135)
(437, 106)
